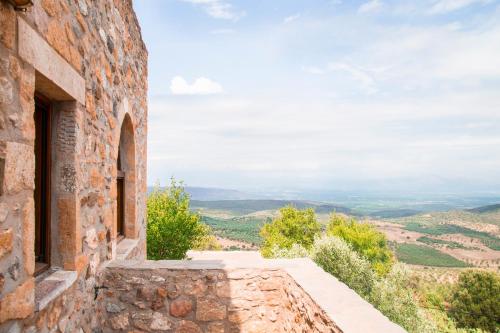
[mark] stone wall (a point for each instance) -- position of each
(88, 58)
(143, 299)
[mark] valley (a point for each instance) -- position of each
(453, 238)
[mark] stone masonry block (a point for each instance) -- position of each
(18, 163)
(70, 240)
(8, 19)
(20, 303)
(28, 219)
(6, 238)
(37, 52)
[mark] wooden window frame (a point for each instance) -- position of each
(42, 184)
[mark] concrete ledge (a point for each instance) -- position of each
(49, 287)
(58, 80)
(345, 308)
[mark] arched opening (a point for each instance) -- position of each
(120, 197)
(125, 219)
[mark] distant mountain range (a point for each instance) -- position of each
(206, 194)
(485, 209)
(213, 193)
(252, 206)
(363, 204)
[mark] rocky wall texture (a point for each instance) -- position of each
(206, 300)
(71, 312)
(100, 42)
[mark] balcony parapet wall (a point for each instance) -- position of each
(231, 292)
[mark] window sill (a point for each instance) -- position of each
(51, 285)
(125, 247)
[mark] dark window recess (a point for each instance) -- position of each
(2, 174)
(42, 184)
(120, 197)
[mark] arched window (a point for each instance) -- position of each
(120, 197)
(125, 224)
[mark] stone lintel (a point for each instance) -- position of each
(58, 79)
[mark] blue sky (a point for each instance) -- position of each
(285, 94)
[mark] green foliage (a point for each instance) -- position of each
(476, 301)
(296, 251)
(338, 258)
(423, 255)
(394, 298)
(208, 242)
(292, 226)
(172, 229)
(244, 229)
(364, 239)
(392, 294)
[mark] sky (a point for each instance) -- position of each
(383, 95)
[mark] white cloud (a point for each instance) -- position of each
(218, 9)
(262, 137)
(362, 77)
(446, 6)
(201, 86)
(291, 18)
(370, 6)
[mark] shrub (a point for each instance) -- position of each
(337, 257)
(475, 301)
(172, 229)
(392, 296)
(292, 226)
(208, 242)
(296, 251)
(365, 240)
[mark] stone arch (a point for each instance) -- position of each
(126, 151)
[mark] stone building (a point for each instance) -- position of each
(73, 124)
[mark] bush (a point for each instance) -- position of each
(296, 251)
(364, 239)
(172, 229)
(208, 242)
(292, 226)
(337, 257)
(392, 296)
(475, 301)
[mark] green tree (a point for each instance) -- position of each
(172, 228)
(292, 226)
(475, 301)
(364, 239)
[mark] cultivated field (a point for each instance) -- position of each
(456, 238)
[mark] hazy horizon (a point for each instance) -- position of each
(387, 96)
